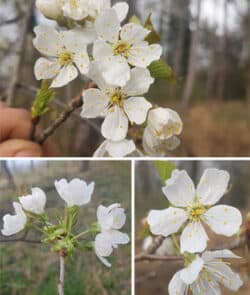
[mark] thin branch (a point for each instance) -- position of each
(20, 50)
(150, 257)
(71, 107)
(62, 274)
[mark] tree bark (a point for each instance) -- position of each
(189, 84)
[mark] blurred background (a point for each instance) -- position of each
(30, 269)
(207, 42)
(153, 277)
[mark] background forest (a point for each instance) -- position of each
(31, 269)
(207, 43)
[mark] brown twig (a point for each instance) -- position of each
(70, 108)
(20, 51)
(150, 257)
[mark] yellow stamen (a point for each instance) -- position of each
(65, 58)
(122, 48)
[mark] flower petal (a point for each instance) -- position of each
(133, 33)
(193, 238)
(191, 273)
(75, 192)
(139, 83)
(213, 255)
(47, 40)
(121, 9)
(46, 69)
(223, 220)
(177, 286)
(67, 74)
(94, 103)
(77, 39)
(81, 60)
(117, 238)
(103, 245)
(115, 125)
(35, 202)
(120, 148)
(137, 109)
(212, 186)
(96, 75)
(102, 49)
(205, 286)
(143, 55)
(115, 70)
(12, 224)
(179, 189)
(107, 25)
(166, 222)
(224, 275)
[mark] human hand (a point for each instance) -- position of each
(15, 126)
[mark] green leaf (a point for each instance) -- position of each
(161, 70)
(135, 19)
(164, 169)
(42, 100)
(153, 36)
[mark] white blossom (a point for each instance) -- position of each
(117, 47)
(154, 146)
(164, 123)
(116, 149)
(166, 248)
(205, 274)
(65, 53)
(110, 220)
(75, 192)
(119, 105)
(13, 224)
(191, 207)
(35, 202)
(50, 8)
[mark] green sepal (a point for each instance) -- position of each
(161, 70)
(165, 169)
(135, 19)
(42, 100)
(153, 36)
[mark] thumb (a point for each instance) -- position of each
(20, 148)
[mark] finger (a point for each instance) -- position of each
(14, 123)
(20, 148)
(2, 104)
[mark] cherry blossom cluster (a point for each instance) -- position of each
(30, 213)
(182, 226)
(93, 41)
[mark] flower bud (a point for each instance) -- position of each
(49, 8)
(164, 123)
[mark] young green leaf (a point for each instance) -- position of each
(161, 70)
(42, 100)
(153, 36)
(164, 169)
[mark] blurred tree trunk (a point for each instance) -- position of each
(6, 171)
(190, 80)
(220, 91)
(183, 12)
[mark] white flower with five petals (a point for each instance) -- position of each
(205, 274)
(12, 224)
(35, 202)
(117, 48)
(65, 53)
(75, 192)
(194, 206)
(110, 220)
(119, 105)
